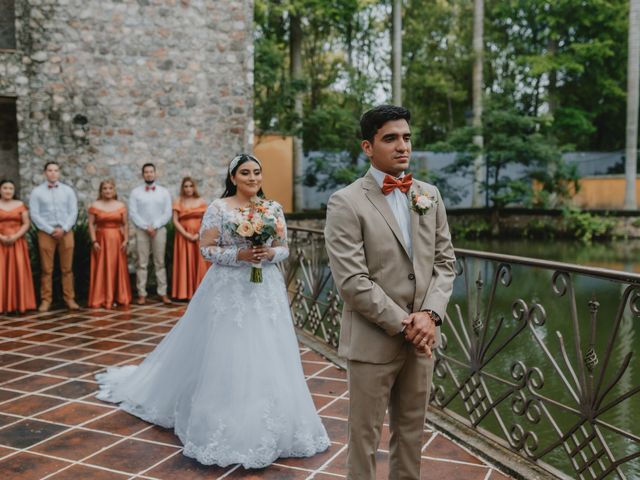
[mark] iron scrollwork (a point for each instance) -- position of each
(315, 304)
(541, 422)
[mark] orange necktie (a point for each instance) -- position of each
(390, 184)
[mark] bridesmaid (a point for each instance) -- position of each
(16, 282)
(188, 265)
(109, 231)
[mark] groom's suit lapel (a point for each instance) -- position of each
(416, 246)
(379, 201)
(415, 224)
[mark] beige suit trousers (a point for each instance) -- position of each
(403, 385)
(47, 245)
(145, 245)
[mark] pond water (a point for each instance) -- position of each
(533, 285)
(615, 254)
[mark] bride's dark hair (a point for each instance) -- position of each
(229, 188)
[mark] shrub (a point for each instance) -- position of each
(585, 226)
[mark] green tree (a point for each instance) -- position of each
(557, 70)
(333, 81)
(437, 61)
(566, 59)
(273, 89)
(478, 92)
(512, 139)
(396, 52)
(299, 58)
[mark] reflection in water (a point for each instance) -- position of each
(616, 255)
(625, 415)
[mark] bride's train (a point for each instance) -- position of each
(228, 377)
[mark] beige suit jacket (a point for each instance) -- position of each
(378, 281)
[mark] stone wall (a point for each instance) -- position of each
(9, 141)
(104, 86)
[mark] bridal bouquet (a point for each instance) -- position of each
(258, 223)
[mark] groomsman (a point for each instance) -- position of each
(150, 210)
(54, 210)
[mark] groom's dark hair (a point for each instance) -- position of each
(372, 120)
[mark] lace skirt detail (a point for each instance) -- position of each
(228, 377)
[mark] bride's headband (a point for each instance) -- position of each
(237, 158)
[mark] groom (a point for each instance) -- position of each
(392, 259)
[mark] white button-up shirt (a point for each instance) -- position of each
(399, 204)
(53, 207)
(150, 207)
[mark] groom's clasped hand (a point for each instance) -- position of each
(420, 330)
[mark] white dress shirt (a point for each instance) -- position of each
(399, 204)
(150, 206)
(53, 207)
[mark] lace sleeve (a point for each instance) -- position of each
(210, 233)
(280, 245)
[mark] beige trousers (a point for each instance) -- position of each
(47, 245)
(403, 386)
(156, 246)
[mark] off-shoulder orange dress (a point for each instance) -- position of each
(109, 280)
(189, 267)
(16, 282)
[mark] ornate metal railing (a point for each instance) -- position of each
(536, 355)
(315, 303)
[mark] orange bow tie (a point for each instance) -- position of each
(390, 184)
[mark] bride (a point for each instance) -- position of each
(228, 376)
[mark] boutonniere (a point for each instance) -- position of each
(421, 203)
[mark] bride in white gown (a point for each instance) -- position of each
(228, 376)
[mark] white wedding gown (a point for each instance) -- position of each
(228, 376)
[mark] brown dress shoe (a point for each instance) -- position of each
(166, 300)
(141, 300)
(72, 305)
(44, 306)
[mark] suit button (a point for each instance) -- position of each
(410, 306)
(412, 276)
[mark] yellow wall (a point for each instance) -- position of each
(276, 154)
(603, 192)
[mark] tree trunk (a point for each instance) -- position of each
(349, 41)
(478, 139)
(552, 100)
(552, 46)
(396, 53)
(295, 52)
(630, 169)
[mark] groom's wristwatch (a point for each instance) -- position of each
(436, 318)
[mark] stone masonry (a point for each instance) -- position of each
(103, 86)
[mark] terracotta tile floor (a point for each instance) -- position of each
(52, 426)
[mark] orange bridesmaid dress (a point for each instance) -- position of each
(189, 267)
(109, 280)
(16, 281)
